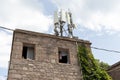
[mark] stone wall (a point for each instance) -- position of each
(114, 71)
(45, 65)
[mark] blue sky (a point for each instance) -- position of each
(96, 20)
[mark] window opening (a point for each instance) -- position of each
(63, 56)
(28, 52)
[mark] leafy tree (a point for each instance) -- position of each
(90, 68)
(103, 65)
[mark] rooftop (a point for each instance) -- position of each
(114, 65)
(52, 36)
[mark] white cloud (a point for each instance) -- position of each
(28, 14)
(24, 14)
(6, 41)
(94, 13)
(2, 78)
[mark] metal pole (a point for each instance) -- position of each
(61, 28)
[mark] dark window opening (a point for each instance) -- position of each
(24, 53)
(28, 52)
(63, 56)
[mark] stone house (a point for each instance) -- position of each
(38, 56)
(114, 71)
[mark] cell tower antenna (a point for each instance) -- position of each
(71, 26)
(56, 23)
(60, 19)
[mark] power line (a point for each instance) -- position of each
(106, 50)
(6, 28)
(102, 49)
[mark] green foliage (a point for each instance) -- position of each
(90, 68)
(102, 65)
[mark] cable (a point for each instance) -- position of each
(106, 50)
(6, 28)
(66, 33)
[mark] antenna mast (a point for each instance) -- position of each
(60, 19)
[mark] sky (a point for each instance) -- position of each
(97, 21)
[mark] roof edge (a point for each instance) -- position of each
(114, 65)
(53, 36)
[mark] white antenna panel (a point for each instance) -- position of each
(68, 18)
(56, 19)
(63, 16)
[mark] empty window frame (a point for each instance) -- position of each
(28, 51)
(63, 55)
